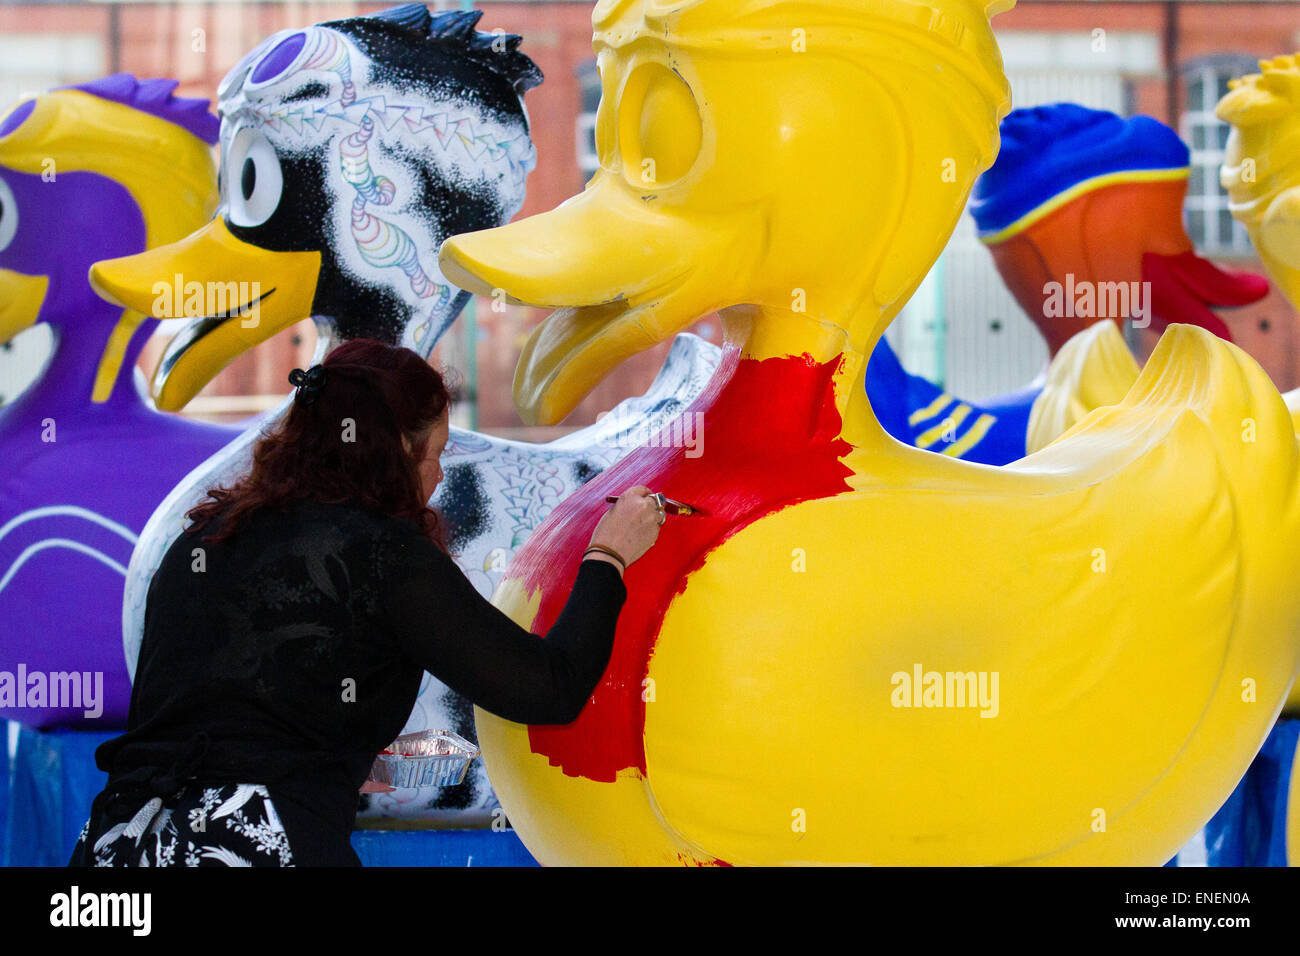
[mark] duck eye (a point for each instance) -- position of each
(256, 180)
(659, 129)
(8, 216)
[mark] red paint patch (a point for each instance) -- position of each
(768, 438)
(685, 860)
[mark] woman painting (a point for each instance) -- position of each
(288, 628)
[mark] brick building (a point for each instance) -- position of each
(1171, 60)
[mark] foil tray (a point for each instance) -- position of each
(430, 758)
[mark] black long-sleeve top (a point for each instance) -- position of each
(297, 646)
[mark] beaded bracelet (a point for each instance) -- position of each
(610, 551)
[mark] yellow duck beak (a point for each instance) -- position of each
(21, 298)
(238, 295)
(608, 306)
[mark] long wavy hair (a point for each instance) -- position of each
(343, 443)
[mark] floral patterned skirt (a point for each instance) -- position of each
(224, 825)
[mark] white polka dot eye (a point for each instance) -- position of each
(253, 179)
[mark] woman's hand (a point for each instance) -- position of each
(630, 526)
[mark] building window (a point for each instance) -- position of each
(1209, 223)
(31, 63)
(589, 87)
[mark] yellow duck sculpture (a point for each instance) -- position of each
(1263, 183)
(1259, 167)
(859, 652)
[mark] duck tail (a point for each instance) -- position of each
(1094, 368)
(1195, 372)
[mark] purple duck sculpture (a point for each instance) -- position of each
(108, 168)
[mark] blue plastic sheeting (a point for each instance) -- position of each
(1250, 829)
(55, 780)
(6, 779)
(440, 848)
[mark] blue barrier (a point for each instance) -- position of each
(6, 780)
(1251, 827)
(54, 779)
(440, 848)
(46, 794)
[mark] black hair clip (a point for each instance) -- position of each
(308, 383)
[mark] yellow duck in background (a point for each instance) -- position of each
(1260, 170)
(1263, 181)
(860, 652)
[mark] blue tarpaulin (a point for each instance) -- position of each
(1251, 827)
(7, 769)
(55, 779)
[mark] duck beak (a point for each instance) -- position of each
(237, 295)
(21, 298)
(615, 269)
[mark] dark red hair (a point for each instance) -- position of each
(343, 443)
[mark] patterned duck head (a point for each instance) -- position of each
(349, 151)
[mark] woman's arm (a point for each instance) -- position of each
(454, 633)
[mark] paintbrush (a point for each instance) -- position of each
(670, 505)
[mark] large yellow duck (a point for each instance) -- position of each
(861, 652)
